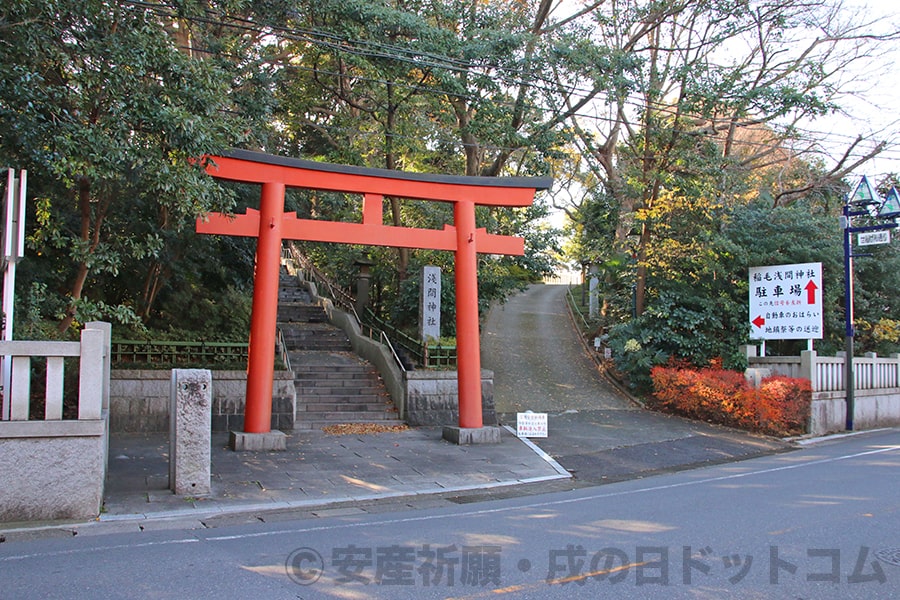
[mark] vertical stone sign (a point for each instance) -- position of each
(594, 302)
(190, 426)
(430, 304)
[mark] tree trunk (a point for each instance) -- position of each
(90, 240)
(390, 163)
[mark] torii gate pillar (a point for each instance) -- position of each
(467, 337)
(264, 315)
(271, 225)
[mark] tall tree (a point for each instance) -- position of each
(418, 86)
(110, 115)
(719, 71)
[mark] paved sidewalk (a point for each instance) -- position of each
(595, 434)
(318, 471)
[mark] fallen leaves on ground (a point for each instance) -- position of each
(362, 428)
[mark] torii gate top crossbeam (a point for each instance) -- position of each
(256, 167)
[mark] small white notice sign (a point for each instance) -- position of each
(531, 424)
(871, 238)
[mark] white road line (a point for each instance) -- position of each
(552, 503)
(97, 549)
(473, 513)
(546, 457)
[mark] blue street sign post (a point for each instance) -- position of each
(863, 202)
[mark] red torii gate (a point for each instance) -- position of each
(270, 224)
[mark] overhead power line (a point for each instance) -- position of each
(436, 62)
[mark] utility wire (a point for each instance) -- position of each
(397, 53)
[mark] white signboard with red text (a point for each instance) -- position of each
(531, 424)
(786, 302)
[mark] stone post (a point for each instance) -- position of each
(808, 368)
(190, 417)
(363, 285)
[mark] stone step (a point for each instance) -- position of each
(298, 343)
(333, 385)
(302, 330)
(296, 340)
(292, 301)
(337, 387)
(362, 402)
(327, 347)
(302, 314)
(332, 379)
(314, 422)
(342, 385)
(343, 407)
(303, 364)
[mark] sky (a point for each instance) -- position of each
(871, 105)
(875, 107)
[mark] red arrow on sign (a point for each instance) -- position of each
(811, 288)
(759, 321)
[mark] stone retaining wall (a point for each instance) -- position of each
(873, 408)
(139, 401)
(51, 469)
(432, 398)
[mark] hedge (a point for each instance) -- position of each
(780, 406)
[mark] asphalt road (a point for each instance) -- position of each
(539, 363)
(599, 435)
(819, 523)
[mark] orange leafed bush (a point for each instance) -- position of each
(781, 403)
(780, 406)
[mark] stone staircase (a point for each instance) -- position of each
(334, 386)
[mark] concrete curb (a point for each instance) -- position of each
(600, 367)
(195, 514)
(563, 473)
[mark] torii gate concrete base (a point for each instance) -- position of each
(465, 436)
(269, 441)
(271, 225)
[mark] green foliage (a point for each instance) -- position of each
(636, 350)
(698, 305)
(108, 104)
(107, 113)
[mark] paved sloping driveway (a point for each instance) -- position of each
(596, 433)
(538, 362)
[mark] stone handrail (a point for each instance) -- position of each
(51, 467)
(93, 354)
(827, 373)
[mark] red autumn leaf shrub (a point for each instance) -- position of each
(780, 406)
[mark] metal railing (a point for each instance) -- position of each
(337, 295)
(282, 349)
(153, 352)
